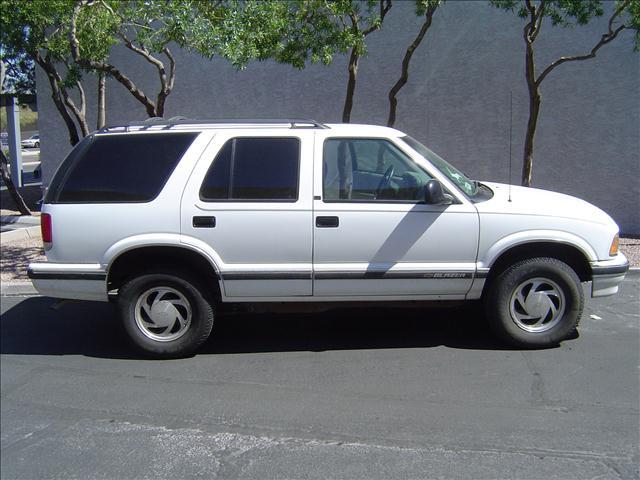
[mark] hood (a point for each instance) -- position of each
(533, 201)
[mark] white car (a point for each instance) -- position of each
(32, 142)
(172, 220)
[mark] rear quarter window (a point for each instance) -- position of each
(119, 168)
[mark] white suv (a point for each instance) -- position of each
(173, 219)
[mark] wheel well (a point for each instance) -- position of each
(560, 251)
(133, 262)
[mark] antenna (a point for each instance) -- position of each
(510, 136)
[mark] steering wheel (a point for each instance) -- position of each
(385, 181)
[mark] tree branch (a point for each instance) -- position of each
(52, 75)
(172, 68)
(385, 6)
(529, 27)
(606, 38)
(77, 113)
(11, 187)
(138, 94)
(538, 21)
(101, 117)
(83, 98)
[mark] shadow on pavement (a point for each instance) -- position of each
(32, 327)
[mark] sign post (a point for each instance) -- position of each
(13, 129)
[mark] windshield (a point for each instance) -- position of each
(468, 186)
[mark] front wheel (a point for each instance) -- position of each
(165, 315)
(535, 303)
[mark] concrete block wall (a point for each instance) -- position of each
(456, 101)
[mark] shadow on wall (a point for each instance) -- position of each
(84, 328)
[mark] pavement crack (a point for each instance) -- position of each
(538, 393)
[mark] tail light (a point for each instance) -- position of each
(45, 228)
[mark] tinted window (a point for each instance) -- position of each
(370, 170)
(254, 169)
(119, 168)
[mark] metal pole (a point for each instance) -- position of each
(13, 129)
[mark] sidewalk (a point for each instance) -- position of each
(16, 227)
(20, 244)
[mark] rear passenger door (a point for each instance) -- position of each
(249, 199)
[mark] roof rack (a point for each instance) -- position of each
(181, 123)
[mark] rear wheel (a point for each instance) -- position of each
(165, 315)
(537, 302)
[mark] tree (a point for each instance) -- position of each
(18, 74)
(319, 29)
(361, 26)
(11, 187)
(428, 9)
(565, 13)
(36, 30)
(145, 28)
(238, 31)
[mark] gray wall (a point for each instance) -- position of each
(457, 100)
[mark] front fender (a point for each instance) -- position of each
(535, 236)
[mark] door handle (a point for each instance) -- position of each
(204, 222)
(327, 222)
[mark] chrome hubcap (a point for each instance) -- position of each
(163, 314)
(537, 305)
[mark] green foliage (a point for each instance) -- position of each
(633, 20)
(41, 27)
(568, 13)
(20, 74)
(317, 30)
(239, 31)
(423, 5)
(561, 12)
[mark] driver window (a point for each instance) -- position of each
(360, 170)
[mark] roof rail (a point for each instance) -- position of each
(158, 123)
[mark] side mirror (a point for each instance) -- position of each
(434, 194)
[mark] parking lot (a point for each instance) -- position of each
(379, 393)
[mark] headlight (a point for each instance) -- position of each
(613, 251)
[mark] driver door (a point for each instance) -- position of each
(374, 236)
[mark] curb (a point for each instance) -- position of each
(30, 220)
(18, 289)
(19, 234)
(634, 272)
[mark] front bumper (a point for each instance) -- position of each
(77, 281)
(607, 275)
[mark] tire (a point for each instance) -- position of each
(165, 315)
(536, 303)
(36, 145)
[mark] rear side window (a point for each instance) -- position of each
(118, 168)
(254, 169)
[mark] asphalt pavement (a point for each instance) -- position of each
(378, 393)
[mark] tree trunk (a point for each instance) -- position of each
(534, 110)
(13, 191)
(56, 96)
(404, 75)
(77, 113)
(351, 85)
(101, 100)
(532, 123)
